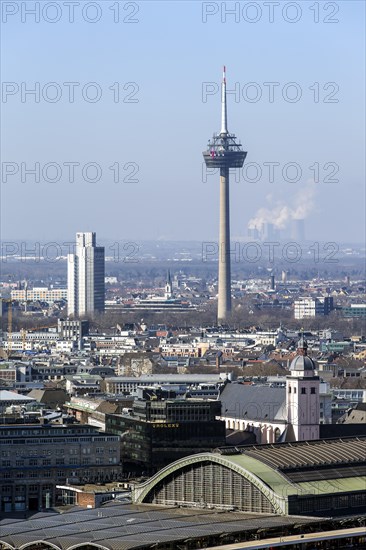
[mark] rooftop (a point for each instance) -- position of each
(124, 526)
(8, 396)
(335, 464)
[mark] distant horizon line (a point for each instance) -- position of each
(165, 240)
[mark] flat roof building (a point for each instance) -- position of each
(308, 308)
(157, 431)
(34, 458)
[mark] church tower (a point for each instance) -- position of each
(168, 287)
(302, 396)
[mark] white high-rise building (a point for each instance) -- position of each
(85, 277)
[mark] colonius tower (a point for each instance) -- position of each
(224, 152)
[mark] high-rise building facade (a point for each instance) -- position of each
(85, 277)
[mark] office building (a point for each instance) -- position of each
(35, 458)
(307, 308)
(158, 430)
(85, 277)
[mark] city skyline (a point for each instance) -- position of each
(196, 375)
(172, 98)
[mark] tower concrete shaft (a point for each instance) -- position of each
(224, 290)
(224, 152)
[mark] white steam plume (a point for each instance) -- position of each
(280, 214)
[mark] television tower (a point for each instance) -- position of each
(224, 152)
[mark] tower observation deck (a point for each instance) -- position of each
(224, 152)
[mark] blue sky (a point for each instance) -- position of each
(170, 53)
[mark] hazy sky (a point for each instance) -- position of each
(159, 64)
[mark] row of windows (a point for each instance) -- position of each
(58, 461)
(328, 503)
(61, 474)
(28, 453)
(303, 390)
(35, 455)
(54, 432)
(40, 452)
(43, 474)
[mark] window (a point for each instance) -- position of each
(289, 389)
(303, 390)
(342, 502)
(312, 390)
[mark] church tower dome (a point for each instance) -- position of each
(302, 364)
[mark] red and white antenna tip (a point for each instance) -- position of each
(224, 74)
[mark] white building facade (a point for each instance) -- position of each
(85, 277)
(42, 294)
(308, 308)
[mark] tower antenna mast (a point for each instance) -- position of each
(223, 104)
